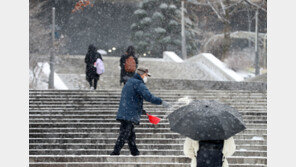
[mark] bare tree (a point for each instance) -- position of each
(224, 9)
(39, 34)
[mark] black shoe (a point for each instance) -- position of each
(136, 153)
(114, 153)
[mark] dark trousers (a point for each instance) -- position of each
(126, 133)
(93, 80)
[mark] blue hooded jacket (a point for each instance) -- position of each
(131, 101)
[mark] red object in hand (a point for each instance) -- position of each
(154, 120)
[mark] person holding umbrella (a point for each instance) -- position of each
(131, 109)
(90, 58)
(209, 127)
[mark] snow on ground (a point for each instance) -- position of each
(42, 72)
(257, 138)
(245, 74)
(219, 64)
(185, 100)
(172, 56)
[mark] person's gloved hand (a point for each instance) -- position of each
(166, 104)
(144, 112)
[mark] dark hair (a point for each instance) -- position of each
(130, 51)
(92, 49)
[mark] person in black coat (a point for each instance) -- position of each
(91, 75)
(124, 76)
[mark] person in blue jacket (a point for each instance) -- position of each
(131, 109)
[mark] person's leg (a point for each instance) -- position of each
(124, 133)
(89, 81)
(95, 83)
(132, 142)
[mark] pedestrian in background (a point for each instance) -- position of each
(128, 65)
(91, 72)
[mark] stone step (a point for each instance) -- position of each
(113, 120)
(170, 99)
(110, 119)
(154, 91)
(256, 141)
(145, 124)
(173, 100)
(76, 106)
(139, 135)
(127, 164)
(100, 125)
(97, 111)
(107, 117)
(116, 130)
(176, 100)
(93, 107)
(176, 95)
(157, 92)
(225, 96)
(108, 164)
(99, 151)
(141, 158)
(119, 90)
(115, 106)
(116, 103)
(140, 146)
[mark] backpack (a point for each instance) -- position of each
(130, 64)
(99, 66)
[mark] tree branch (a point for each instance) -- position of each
(233, 4)
(253, 4)
(217, 13)
(223, 7)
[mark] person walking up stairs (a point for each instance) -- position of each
(131, 108)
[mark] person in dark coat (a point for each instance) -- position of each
(131, 109)
(91, 75)
(124, 76)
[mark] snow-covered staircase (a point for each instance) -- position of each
(77, 128)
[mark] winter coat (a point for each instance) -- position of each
(123, 73)
(131, 101)
(191, 148)
(90, 59)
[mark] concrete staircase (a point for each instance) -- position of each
(77, 128)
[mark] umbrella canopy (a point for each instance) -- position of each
(206, 120)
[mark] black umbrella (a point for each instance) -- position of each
(206, 120)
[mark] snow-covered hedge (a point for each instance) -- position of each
(160, 30)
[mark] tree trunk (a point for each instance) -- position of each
(226, 30)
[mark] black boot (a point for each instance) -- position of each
(114, 153)
(135, 153)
